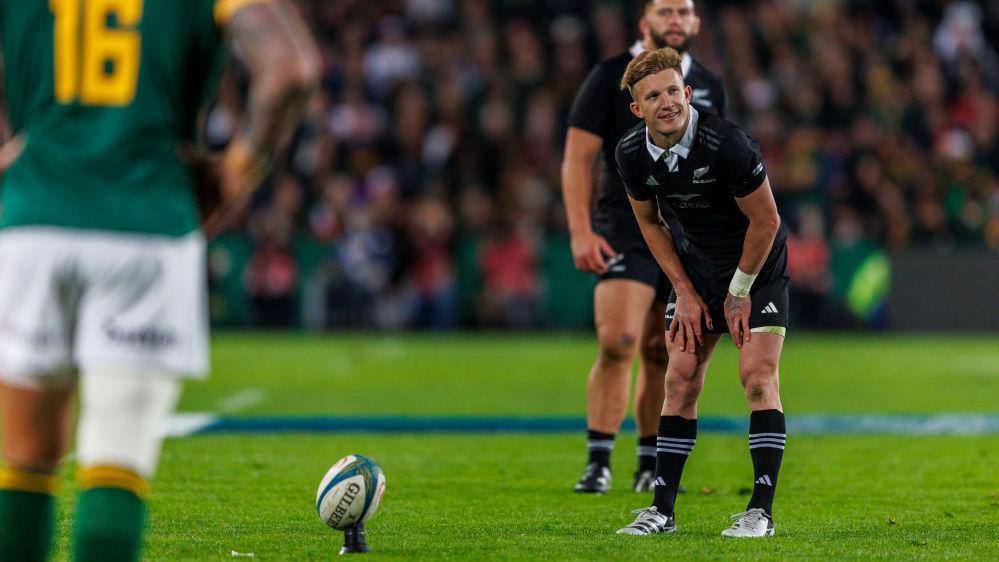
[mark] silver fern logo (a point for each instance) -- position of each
(699, 175)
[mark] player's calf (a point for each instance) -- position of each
(118, 446)
(110, 515)
(36, 422)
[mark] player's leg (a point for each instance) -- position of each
(141, 326)
(36, 387)
(36, 425)
(620, 307)
(676, 437)
(650, 392)
(758, 372)
(122, 415)
(678, 422)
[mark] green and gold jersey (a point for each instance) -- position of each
(104, 92)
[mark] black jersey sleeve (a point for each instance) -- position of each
(740, 163)
(628, 158)
(591, 108)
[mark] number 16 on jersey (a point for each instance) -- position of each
(97, 51)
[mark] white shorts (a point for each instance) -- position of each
(78, 300)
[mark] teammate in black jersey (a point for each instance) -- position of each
(630, 298)
(729, 273)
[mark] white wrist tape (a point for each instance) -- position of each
(741, 283)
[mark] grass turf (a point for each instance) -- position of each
(507, 496)
(489, 374)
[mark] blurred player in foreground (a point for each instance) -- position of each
(102, 281)
(729, 273)
(630, 296)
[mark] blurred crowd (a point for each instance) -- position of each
(423, 189)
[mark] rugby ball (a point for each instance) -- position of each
(350, 492)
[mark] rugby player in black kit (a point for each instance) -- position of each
(630, 297)
(728, 271)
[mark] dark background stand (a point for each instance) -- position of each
(353, 540)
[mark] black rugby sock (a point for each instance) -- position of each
(600, 446)
(646, 453)
(767, 435)
(676, 440)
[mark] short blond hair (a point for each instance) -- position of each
(648, 63)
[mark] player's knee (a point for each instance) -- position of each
(761, 385)
(616, 347)
(682, 390)
(756, 392)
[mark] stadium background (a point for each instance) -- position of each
(423, 190)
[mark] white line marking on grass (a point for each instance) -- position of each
(975, 366)
(844, 424)
(897, 424)
(337, 368)
(187, 423)
(241, 400)
(387, 350)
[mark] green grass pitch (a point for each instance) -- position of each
(507, 496)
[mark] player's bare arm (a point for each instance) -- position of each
(588, 248)
(761, 210)
(685, 330)
(274, 44)
(9, 152)
(11, 148)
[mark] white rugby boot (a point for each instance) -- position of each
(750, 524)
(649, 522)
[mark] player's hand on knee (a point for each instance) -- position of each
(589, 250)
(737, 318)
(677, 335)
(687, 319)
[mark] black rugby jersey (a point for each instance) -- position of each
(723, 163)
(601, 108)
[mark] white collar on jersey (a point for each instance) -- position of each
(638, 48)
(678, 150)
